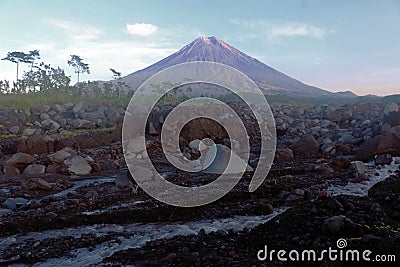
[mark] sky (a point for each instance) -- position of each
(334, 45)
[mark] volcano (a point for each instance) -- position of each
(268, 79)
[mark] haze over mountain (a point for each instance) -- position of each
(213, 49)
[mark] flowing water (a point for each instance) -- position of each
(136, 235)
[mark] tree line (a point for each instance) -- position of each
(42, 77)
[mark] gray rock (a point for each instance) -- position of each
(62, 122)
(391, 107)
(222, 164)
(82, 124)
(365, 124)
(44, 116)
(14, 129)
(59, 156)
(80, 107)
(50, 125)
(359, 167)
(39, 109)
(78, 165)
(34, 169)
(59, 108)
(29, 131)
(123, 180)
(12, 203)
(92, 116)
(346, 138)
(327, 148)
(339, 114)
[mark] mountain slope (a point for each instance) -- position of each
(213, 49)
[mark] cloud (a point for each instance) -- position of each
(274, 30)
(123, 56)
(298, 29)
(141, 29)
(77, 31)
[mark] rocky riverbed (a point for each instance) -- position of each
(69, 200)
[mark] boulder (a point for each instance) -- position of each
(123, 180)
(80, 107)
(59, 108)
(50, 125)
(339, 114)
(44, 116)
(77, 165)
(92, 116)
(29, 131)
(347, 139)
(359, 167)
(82, 124)
(20, 160)
(59, 156)
(393, 119)
(14, 129)
(34, 169)
(37, 184)
(391, 107)
(11, 171)
(12, 203)
(283, 154)
(306, 147)
(387, 143)
(222, 163)
(39, 109)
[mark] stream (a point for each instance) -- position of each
(136, 235)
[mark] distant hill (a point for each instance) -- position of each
(213, 49)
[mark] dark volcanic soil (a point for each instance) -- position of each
(105, 219)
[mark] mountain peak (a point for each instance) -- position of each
(208, 40)
(215, 50)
